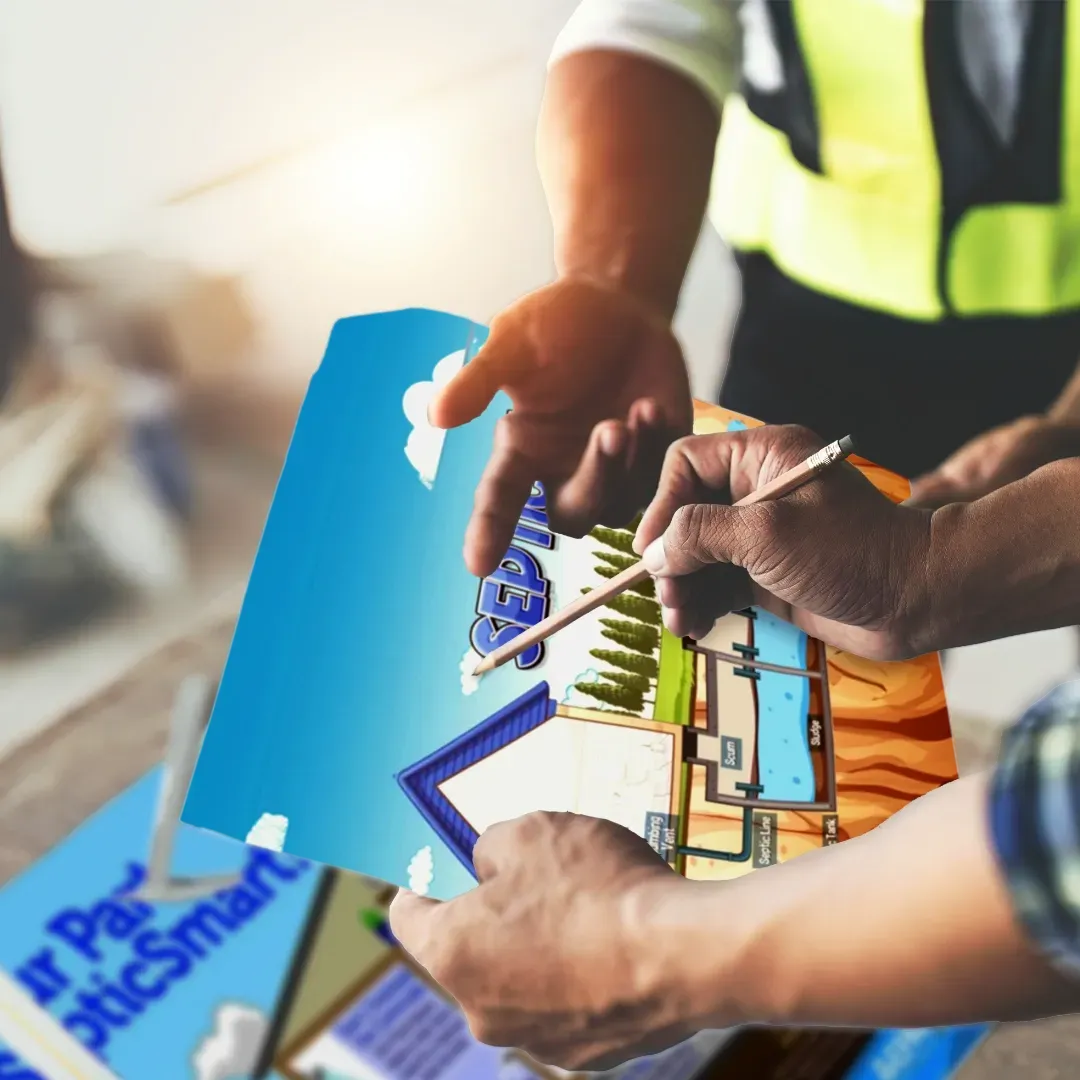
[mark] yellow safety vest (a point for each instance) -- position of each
(868, 228)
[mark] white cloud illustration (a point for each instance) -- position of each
(269, 832)
(590, 676)
(425, 443)
(231, 1050)
(470, 683)
(421, 871)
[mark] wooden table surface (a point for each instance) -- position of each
(53, 783)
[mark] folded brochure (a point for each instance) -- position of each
(349, 729)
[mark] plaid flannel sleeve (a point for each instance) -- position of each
(1035, 822)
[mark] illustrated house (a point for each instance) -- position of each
(764, 720)
(763, 743)
(535, 754)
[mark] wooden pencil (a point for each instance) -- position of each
(631, 576)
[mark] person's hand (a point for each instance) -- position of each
(599, 389)
(835, 557)
(554, 952)
(996, 458)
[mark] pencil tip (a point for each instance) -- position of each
(482, 668)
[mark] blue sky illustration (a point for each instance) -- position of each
(346, 664)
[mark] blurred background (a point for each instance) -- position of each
(193, 193)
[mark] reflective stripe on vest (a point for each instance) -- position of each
(868, 228)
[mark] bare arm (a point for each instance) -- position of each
(1006, 564)
(626, 150)
(910, 925)
(582, 948)
(627, 136)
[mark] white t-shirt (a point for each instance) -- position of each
(716, 42)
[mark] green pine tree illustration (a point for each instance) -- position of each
(630, 679)
(628, 661)
(619, 539)
(644, 588)
(624, 640)
(616, 559)
(635, 635)
(622, 697)
(636, 607)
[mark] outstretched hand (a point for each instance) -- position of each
(599, 391)
(996, 458)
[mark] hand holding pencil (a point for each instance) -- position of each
(788, 480)
(835, 556)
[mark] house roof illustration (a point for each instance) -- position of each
(421, 782)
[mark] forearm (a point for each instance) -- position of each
(908, 926)
(1067, 406)
(1006, 564)
(625, 149)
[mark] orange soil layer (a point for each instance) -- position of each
(891, 732)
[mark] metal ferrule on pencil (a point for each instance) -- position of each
(842, 448)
